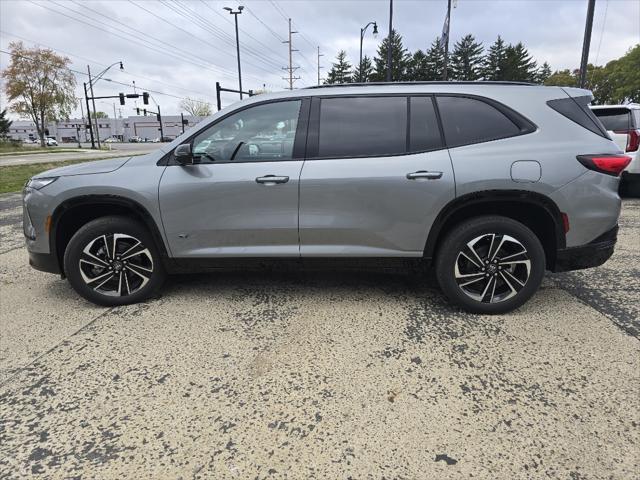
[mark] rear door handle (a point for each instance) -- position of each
(424, 174)
(272, 179)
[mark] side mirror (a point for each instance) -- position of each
(183, 154)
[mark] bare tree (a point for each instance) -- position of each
(40, 85)
(197, 108)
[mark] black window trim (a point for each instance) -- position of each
(299, 141)
(524, 125)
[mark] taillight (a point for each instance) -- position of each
(633, 139)
(607, 164)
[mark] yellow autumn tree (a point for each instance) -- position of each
(39, 85)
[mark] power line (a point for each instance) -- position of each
(129, 73)
(278, 37)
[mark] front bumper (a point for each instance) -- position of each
(45, 262)
(593, 254)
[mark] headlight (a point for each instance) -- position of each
(39, 183)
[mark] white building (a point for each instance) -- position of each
(68, 131)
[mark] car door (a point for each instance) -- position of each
(240, 197)
(376, 176)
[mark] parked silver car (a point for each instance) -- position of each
(492, 183)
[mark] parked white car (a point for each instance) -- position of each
(623, 124)
(50, 142)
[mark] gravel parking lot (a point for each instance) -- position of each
(319, 375)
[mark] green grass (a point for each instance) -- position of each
(37, 150)
(13, 177)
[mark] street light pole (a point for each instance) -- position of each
(86, 98)
(362, 30)
(235, 15)
(389, 45)
(91, 82)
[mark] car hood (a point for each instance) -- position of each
(87, 168)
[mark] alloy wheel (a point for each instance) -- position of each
(116, 264)
(492, 268)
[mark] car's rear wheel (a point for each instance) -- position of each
(490, 264)
(113, 261)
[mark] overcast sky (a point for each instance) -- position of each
(181, 48)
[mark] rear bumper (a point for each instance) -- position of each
(593, 254)
(45, 262)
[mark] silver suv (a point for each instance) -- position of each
(492, 183)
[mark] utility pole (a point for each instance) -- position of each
(235, 16)
(182, 121)
(445, 35)
(389, 44)
(93, 101)
(319, 67)
(160, 120)
(586, 43)
(86, 98)
(291, 68)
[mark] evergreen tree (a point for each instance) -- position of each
(5, 123)
(367, 71)
(417, 70)
(466, 60)
(494, 62)
(435, 61)
(399, 58)
(543, 73)
(519, 66)
(340, 71)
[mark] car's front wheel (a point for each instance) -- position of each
(490, 264)
(113, 261)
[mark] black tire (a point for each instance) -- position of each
(125, 272)
(452, 260)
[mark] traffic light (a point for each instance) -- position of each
(145, 98)
(145, 111)
(158, 116)
(137, 111)
(121, 95)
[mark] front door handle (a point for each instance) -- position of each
(272, 179)
(424, 174)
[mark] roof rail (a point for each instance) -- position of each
(437, 82)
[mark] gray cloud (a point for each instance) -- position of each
(183, 47)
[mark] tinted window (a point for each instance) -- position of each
(614, 118)
(364, 126)
(577, 110)
(424, 132)
(257, 134)
(467, 120)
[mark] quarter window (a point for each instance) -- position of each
(362, 126)
(468, 120)
(424, 131)
(257, 134)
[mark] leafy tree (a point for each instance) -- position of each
(101, 115)
(519, 66)
(197, 108)
(543, 73)
(40, 85)
(494, 62)
(561, 78)
(340, 71)
(417, 69)
(367, 71)
(399, 59)
(624, 75)
(466, 59)
(5, 123)
(435, 62)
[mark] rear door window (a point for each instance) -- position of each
(468, 120)
(615, 119)
(362, 126)
(423, 125)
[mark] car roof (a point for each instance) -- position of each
(630, 106)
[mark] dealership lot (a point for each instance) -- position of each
(319, 375)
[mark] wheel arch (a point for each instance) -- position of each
(75, 212)
(540, 214)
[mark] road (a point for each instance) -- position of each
(319, 375)
(117, 150)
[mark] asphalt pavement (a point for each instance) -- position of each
(319, 375)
